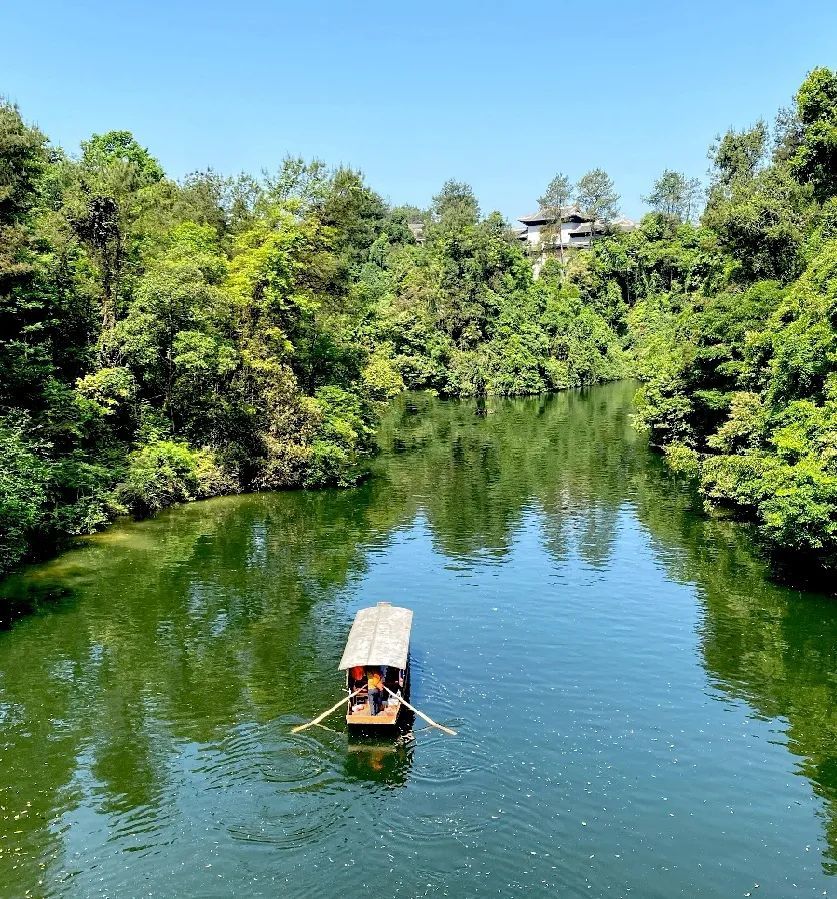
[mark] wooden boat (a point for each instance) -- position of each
(379, 639)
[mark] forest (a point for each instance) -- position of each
(164, 340)
(732, 326)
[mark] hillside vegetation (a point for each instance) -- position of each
(162, 341)
(733, 326)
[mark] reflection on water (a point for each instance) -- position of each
(379, 761)
(634, 698)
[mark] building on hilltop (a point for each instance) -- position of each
(541, 234)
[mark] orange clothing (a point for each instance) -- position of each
(374, 680)
(358, 673)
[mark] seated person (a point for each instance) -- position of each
(357, 677)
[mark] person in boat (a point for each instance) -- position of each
(375, 689)
(357, 677)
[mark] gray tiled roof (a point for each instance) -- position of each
(586, 227)
(544, 216)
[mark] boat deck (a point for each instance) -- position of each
(387, 715)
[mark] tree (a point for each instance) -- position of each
(555, 198)
(674, 196)
(99, 228)
(169, 342)
(202, 196)
(23, 161)
(762, 223)
(24, 480)
(104, 151)
(787, 134)
(758, 211)
(597, 198)
(355, 212)
(455, 206)
(815, 159)
(307, 183)
(28, 327)
(105, 196)
(695, 195)
(738, 155)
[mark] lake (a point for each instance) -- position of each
(640, 710)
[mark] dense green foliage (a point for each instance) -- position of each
(462, 315)
(734, 325)
(164, 341)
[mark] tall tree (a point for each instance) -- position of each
(738, 155)
(355, 212)
(815, 159)
(23, 159)
(555, 199)
(114, 183)
(455, 206)
(597, 198)
(695, 195)
(759, 211)
(29, 327)
(104, 151)
(202, 196)
(787, 134)
(674, 196)
(307, 183)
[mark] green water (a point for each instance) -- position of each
(641, 712)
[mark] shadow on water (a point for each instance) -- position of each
(183, 648)
(23, 595)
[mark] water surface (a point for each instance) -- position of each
(641, 711)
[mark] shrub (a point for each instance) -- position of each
(109, 389)
(381, 378)
(168, 471)
(682, 460)
(342, 441)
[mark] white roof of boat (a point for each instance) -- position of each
(380, 635)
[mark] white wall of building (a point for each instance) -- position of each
(534, 236)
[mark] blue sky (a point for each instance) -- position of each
(501, 95)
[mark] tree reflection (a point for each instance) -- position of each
(772, 647)
(177, 630)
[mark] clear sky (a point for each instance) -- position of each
(501, 95)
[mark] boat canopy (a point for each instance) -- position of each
(380, 635)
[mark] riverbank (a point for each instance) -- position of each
(165, 341)
(171, 474)
(396, 432)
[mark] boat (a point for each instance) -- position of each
(378, 641)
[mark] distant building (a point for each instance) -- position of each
(541, 234)
(417, 230)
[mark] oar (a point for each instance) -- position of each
(429, 720)
(319, 718)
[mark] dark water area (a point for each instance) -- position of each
(641, 710)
